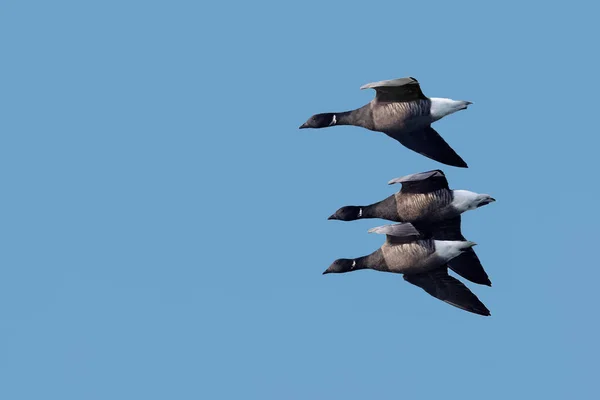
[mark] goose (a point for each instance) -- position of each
(424, 196)
(426, 201)
(423, 263)
(403, 112)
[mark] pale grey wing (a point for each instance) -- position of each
(423, 182)
(429, 143)
(399, 230)
(398, 233)
(420, 176)
(436, 175)
(448, 289)
(390, 83)
(396, 90)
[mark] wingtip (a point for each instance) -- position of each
(455, 161)
(484, 312)
(479, 281)
(459, 162)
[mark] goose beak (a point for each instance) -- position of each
(332, 217)
(303, 126)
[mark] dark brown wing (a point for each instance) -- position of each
(469, 267)
(467, 264)
(446, 288)
(429, 143)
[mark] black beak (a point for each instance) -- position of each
(332, 217)
(326, 272)
(303, 126)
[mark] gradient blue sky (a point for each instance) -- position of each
(164, 220)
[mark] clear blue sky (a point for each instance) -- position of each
(164, 221)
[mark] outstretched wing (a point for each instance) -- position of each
(447, 229)
(396, 90)
(422, 182)
(466, 264)
(446, 288)
(429, 143)
(399, 230)
(398, 233)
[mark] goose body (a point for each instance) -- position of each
(404, 113)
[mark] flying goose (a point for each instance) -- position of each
(424, 197)
(421, 261)
(434, 210)
(401, 111)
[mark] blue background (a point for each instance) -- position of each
(163, 219)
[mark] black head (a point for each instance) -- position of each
(348, 213)
(320, 121)
(341, 265)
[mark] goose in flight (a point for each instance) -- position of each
(403, 112)
(424, 197)
(423, 262)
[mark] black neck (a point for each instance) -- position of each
(374, 260)
(385, 209)
(358, 117)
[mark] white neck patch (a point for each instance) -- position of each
(359, 212)
(353, 263)
(333, 121)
